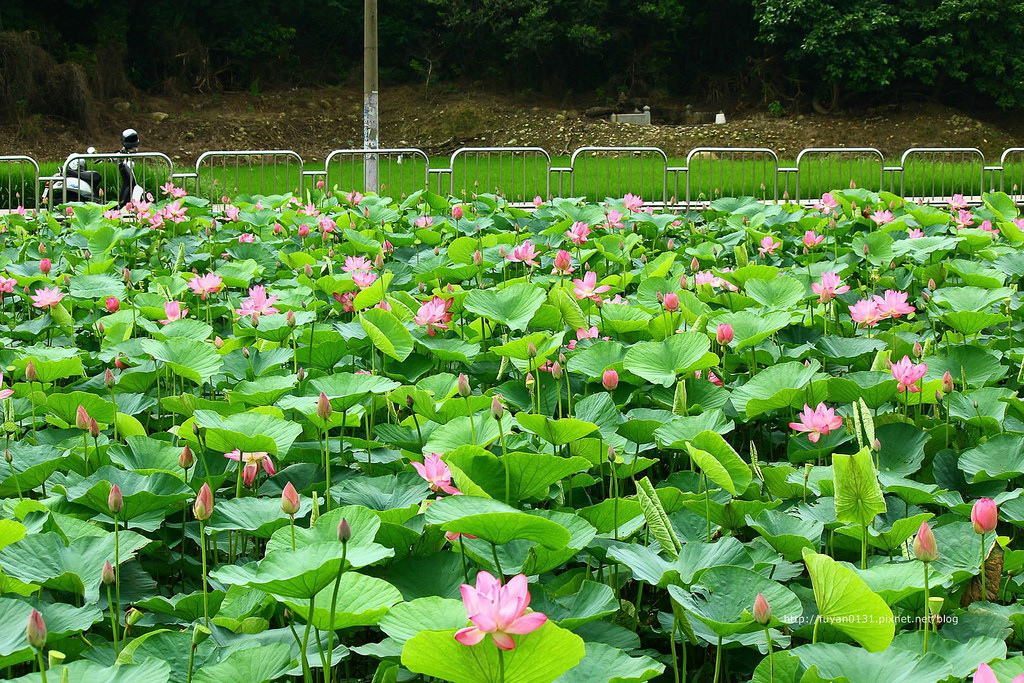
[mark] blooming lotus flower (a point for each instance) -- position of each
(258, 303)
(47, 297)
(925, 548)
(7, 285)
(827, 204)
(768, 245)
(204, 285)
(957, 202)
(253, 461)
(524, 253)
(364, 278)
(915, 233)
(811, 239)
(882, 217)
(424, 221)
(173, 311)
(865, 312)
(326, 224)
(537, 201)
(563, 263)
(817, 422)
(984, 515)
(614, 219)
(963, 219)
(354, 263)
(354, 198)
(498, 610)
(578, 233)
(829, 287)
(893, 304)
(712, 377)
(436, 473)
(631, 202)
(434, 314)
(587, 287)
(907, 374)
(4, 393)
(231, 212)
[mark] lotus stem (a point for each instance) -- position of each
(501, 666)
(307, 675)
(327, 465)
(291, 521)
(472, 425)
(504, 461)
(113, 619)
(771, 656)
(202, 548)
(497, 564)
(42, 666)
(334, 604)
(117, 569)
(864, 547)
(927, 623)
(718, 659)
(191, 660)
(707, 502)
(672, 647)
(984, 595)
(814, 634)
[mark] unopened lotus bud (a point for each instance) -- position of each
(186, 459)
(694, 264)
(289, 318)
(684, 282)
(300, 374)
(457, 212)
(610, 380)
(931, 283)
(94, 428)
(561, 359)
(127, 275)
(119, 363)
(556, 370)
(45, 265)
(344, 531)
(108, 379)
(378, 262)
(938, 396)
(107, 575)
(245, 352)
(323, 406)
(463, 386)
(671, 244)
(218, 342)
(947, 382)
(762, 610)
(975, 404)
(36, 630)
(408, 401)
(100, 329)
(478, 258)
(308, 270)
(866, 250)
(876, 445)
(918, 349)
(289, 500)
(255, 320)
(30, 372)
(611, 453)
(530, 382)
(925, 547)
(497, 410)
(81, 418)
(203, 507)
(42, 248)
(8, 458)
(531, 350)
(115, 501)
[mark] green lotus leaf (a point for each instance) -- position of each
(723, 599)
(141, 493)
(250, 665)
(362, 601)
(514, 306)
(388, 335)
(606, 664)
(406, 619)
(719, 461)
(194, 360)
(661, 362)
(495, 522)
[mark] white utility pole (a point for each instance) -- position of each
(371, 112)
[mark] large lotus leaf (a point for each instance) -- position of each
(152, 670)
(263, 391)
(848, 349)
(555, 432)
(32, 466)
(362, 601)
(300, 573)
(858, 496)
(538, 657)
(963, 658)
(984, 408)
(875, 388)
(95, 287)
(842, 662)
(406, 619)
(144, 455)
(902, 448)
(514, 306)
(169, 646)
(187, 607)
(589, 602)
(495, 522)
(787, 533)
(248, 432)
(51, 363)
(895, 581)
(723, 598)
(606, 664)
(60, 620)
(362, 522)
(971, 322)
(959, 549)
(754, 271)
(999, 458)
(970, 299)
(780, 294)
(778, 386)
(188, 358)
(458, 432)
(44, 559)
(65, 407)
(388, 335)
(450, 350)
(694, 559)
(675, 433)
(267, 662)
(345, 389)
(141, 493)
(530, 474)
(536, 559)
(594, 360)
(383, 493)
(846, 602)
(977, 364)
(260, 517)
(750, 329)
(719, 461)
(660, 362)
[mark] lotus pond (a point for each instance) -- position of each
(353, 438)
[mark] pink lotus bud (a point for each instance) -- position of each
(671, 302)
(918, 349)
(303, 231)
(563, 261)
(278, 228)
(44, 266)
(289, 318)
(530, 381)
(931, 283)
(556, 370)
(724, 334)
(925, 548)
(876, 445)
(119, 363)
(478, 258)
(94, 428)
(112, 304)
(457, 212)
(108, 573)
(610, 380)
(100, 328)
(108, 379)
(245, 352)
(926, 297)
(561, 359)
(671, 244)
(289, 500)
(323, 406)
(218, 342)
(694, 264)
(203, 507)
(81, 417)
(866, 250)
(30, 372)
(308, 270)
(300, 374)
(463, 386)
(762, 610)
(684, 282)
(497, 410)
(984, 515)
(255, 320)
(36, 631)
(127, 275)
(115, 501)
(344, 530)
(186, 459)
(611, 453)
(947, 383)
(531, 350)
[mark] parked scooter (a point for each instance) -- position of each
(79, 184)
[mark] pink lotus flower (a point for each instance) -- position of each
(811, 239)
(112, 304)
(829, 287)
(346, 300)
(925, 547)
(893, 304)
(984, 674)
(768, 245)
(537, 201)
(984, 513)
(326, 224)
(246, 238)
(353, 198)
(987, 227)
(915, 233)
(724, 333)
(173, 311)
(587, 287)
(424, 221)
(882, 217)
(112, 215)
(614, 219)
(827, 204)
(457, 212)
(712, 377)
(631, 202)
(364, 278)
(253, 462)
(7, 285)
(354, 263)
(610, 380)
(963, 219)
(303, 231)
(231, 212)
(671, 302)
(578, 233)
(434, 314)
(498, 610)
(309, 210)
(907, 374)
(4, 393)
(817, 422)
(563, 263)
(866, 313)
(258, 303)
(47, 297)
(524, 253)
(204, 285)
(957, 202)
(436, 472)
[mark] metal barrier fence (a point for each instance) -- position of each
(518, 174)
(152, 170)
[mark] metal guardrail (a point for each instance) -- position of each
(152, 169)
(518, 174)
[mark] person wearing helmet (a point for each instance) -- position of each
(129, 140)
(126, 167)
